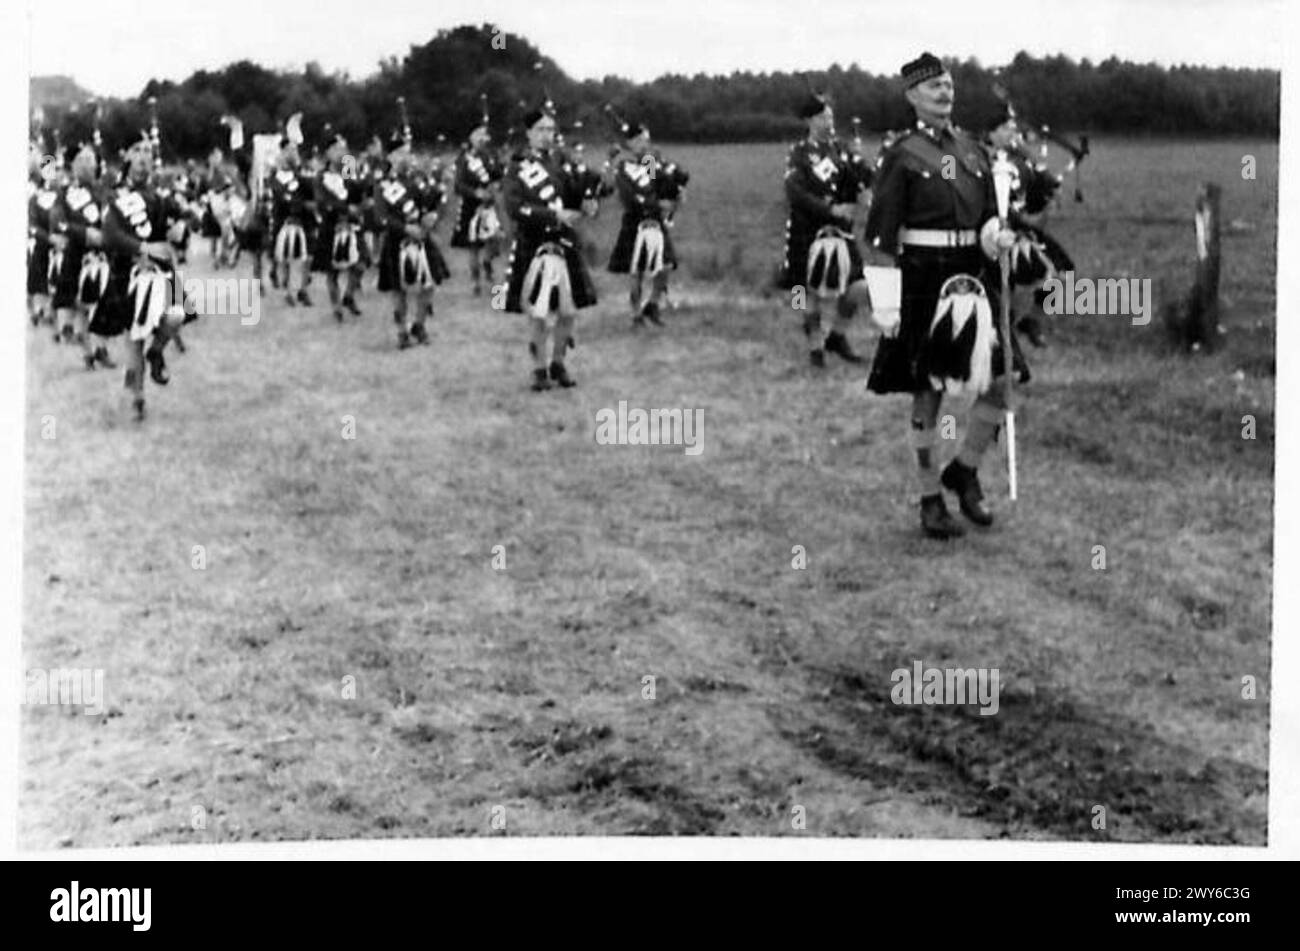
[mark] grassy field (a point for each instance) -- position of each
(512, 702)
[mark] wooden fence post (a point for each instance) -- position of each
(1203, 315)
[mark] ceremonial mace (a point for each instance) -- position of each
(1003, 172)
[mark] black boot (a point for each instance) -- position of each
(419, 334)
(303, 298)
(403, 339)
(838, 344)
(157, 366)
(540, 380)
(935, 520)
(137, 404)
(561, 376)
(651, 313)
(101, 354)
(964, 480)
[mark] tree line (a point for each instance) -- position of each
(446, 81)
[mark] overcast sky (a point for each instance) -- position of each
(113, 47)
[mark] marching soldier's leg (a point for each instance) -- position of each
(99, 344)
(304, 279)
(81, 334)
(935, 519)
(332, 287)
(563, 340)
(846, 305)
(350, 290)
(283, 271)
(423, 310)
(634, 299)
(135, 375)
(659, 291)
(399, 317)
(960, 475)
(168, 327)
(537, 348)
(812, 330)
(476, 269)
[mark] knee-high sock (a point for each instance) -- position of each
(985, 421)
(538, 344)
(659, 286)
(563, 333)
(812, 324)
(925, 445)
(135, 367)
(845, 308)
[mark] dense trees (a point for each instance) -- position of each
(443, 80)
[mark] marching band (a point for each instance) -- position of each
(103, 245)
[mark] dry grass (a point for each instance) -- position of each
(522, 688)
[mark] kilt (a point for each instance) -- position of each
(38, 266)
(322, 252)
(620, 259)
(898, 366)
(65, 286)
(112, 314)
(209, 226)
(522, 250)
(390, 278)
(460, 236)
(799, 236)
(253, 237)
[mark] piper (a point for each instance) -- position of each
(649, 189)
(411, 264)
(823, 183)
(478, 226)
(547, 278)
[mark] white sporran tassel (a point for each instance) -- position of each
(55, 267)
(648, 248)
(291, 243)
(485, 225)
(828, 263)
(149, 290)
(547, 274)
(962, 299)
(93, 279)
(413, 263)
(345, 253)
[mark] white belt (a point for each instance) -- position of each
(931, 238)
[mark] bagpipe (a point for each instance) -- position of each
(1077, 148)
(862, 167)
